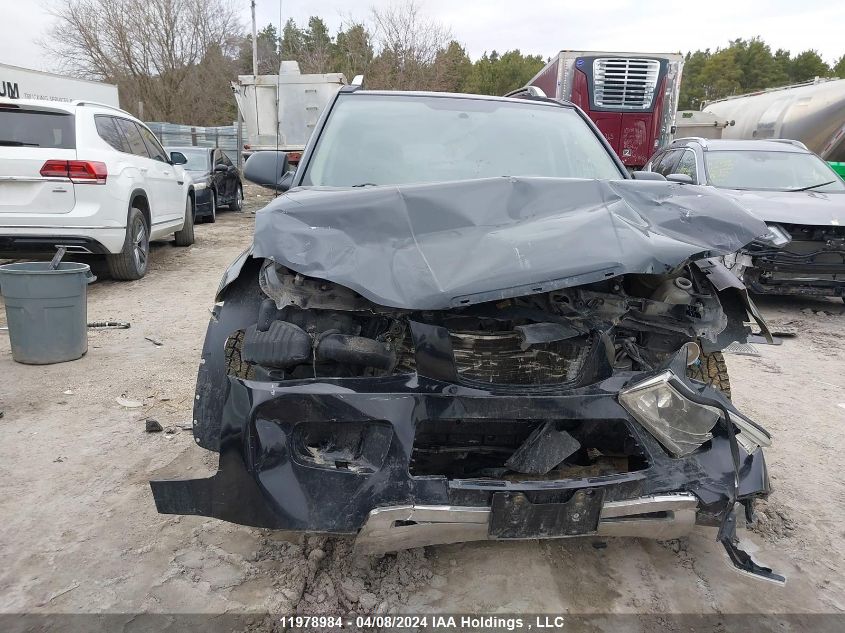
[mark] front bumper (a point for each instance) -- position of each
(267, 477)
(402, 527)
(809, 268)
(273, 472)
(202, 202)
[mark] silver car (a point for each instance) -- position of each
(792, 190)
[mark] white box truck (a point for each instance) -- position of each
(25, 83)
(280, 111)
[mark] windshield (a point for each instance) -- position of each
(197, 158)
(389, 140)
(770, 171)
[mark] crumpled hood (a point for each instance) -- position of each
(435, 246)
(792, 207)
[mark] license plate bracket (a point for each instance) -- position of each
(513, 516)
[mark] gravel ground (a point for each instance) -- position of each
(80, 532)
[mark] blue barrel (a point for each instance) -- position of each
(47, 310)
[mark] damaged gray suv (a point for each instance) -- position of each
(464, 320)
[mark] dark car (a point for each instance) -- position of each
(217, 182)
(465, 321)
(795, 192)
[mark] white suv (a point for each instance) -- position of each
(91, 178)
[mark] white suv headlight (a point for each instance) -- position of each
(676, 422)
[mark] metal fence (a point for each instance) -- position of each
(225, 137)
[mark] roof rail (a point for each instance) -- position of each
(356, 84)
(698, 139)
(788, 141)
(85, 102)
(527, 91)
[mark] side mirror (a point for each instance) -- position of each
(684, 179)
(221, 168)
(269, 169)
(647, 175)
(178, 158)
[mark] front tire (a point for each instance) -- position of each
(131, 262)
(185, 236)
(712, 370)
(238, 203)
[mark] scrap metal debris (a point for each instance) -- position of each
(544, 449)
(123, 401)
(741, 349)
(109, 325)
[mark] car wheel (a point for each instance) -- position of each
(238, 202)
(131, 262)
(711, 369)
(185, 237)
(211, 219)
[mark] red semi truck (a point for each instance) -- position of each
(632, 97)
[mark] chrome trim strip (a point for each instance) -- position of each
(33, 179)
(63, 227)
(439, 525)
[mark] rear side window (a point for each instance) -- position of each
(21, 127)
(133, 136)
(154, 148)
(107, 129)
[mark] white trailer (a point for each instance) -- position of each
(280, 111)
(24, 83)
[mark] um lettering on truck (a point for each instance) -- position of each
(9, 90)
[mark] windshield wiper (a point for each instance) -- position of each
(366, 184)
(18, 144)
(821, 184)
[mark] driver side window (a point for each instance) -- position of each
(666, 165)
(687, 165)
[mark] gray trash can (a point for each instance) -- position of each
(47, 310)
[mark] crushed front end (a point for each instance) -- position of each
(386, 407)
(796, 259)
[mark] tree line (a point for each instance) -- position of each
(747, 66)
(400, 51)
(159, 52)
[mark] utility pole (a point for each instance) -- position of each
(254, 43)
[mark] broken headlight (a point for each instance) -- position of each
(678, 423)
(777, 236)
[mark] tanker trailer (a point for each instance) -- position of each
(812, 112)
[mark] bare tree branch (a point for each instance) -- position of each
(154, 50)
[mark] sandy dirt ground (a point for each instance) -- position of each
(79, 531)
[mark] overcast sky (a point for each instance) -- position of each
(533, 26)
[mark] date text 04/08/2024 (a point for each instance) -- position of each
(414, 622)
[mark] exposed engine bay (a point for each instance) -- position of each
(534, 340)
